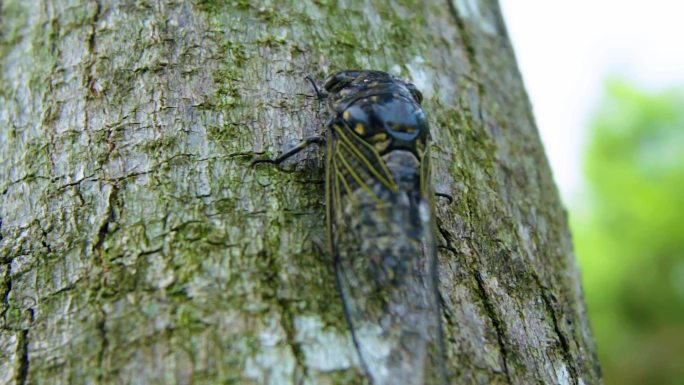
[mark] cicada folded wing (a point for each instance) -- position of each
(381, 235)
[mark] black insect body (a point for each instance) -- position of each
(380, 224)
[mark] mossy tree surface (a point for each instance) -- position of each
(138, 246)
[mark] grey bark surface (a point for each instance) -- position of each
(137, 246)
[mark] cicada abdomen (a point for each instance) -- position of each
(381, 225)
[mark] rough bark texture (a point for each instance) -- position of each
(137, 246)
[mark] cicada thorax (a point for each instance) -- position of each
(381, 225)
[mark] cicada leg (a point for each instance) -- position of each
(319, 95)
(318, 140)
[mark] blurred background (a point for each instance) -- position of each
(606, 80)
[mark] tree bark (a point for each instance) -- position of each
(138, 246)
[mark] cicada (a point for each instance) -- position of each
(380, 224)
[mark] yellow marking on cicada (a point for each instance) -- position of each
(381, 146)
(358, 178)
(375, 98)
(360, 129)
(384, 179)
(425, 173)
(390, 180)
(341, 178)
(337, 196)
(390, 273)
(345, 184)
(380, 141)
(338, 174)
(420, 147)
(346, 115)
(329, 208)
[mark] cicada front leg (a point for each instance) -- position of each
(318, 140)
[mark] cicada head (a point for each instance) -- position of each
(382, 109)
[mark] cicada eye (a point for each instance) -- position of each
(416, 94)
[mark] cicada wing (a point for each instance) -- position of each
(429, 224)
(380, 233)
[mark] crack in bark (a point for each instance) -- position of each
(490, 309)
(92, 47)
(102, 329)
(89, 73)
(297, 352)
(21, 374)
(110, 218)
(8, 288)
(465, 36)
(43, 240)
(112, 202)
(21, 352)
(563, 341)
(548, 305)
(446, 312)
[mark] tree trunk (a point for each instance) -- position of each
(138, 246)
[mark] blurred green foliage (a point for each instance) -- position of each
(629, 234)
